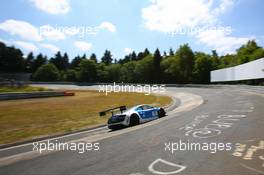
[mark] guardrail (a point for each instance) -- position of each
(96, 83)
(25, 95)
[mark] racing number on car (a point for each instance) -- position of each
(154, 113)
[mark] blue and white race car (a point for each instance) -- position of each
(133, 116)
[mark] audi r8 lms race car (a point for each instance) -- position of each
(133, 116)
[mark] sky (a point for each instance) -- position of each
(123, 26)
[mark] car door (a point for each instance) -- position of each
(149, 111)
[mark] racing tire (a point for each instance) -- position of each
(161, 113)
(134, 120)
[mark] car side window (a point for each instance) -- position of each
(139, 108)
(146, 107)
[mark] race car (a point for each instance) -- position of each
(133, 116)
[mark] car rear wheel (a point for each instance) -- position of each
(161, 113)
(134, 120)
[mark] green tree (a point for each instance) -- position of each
(133, 56)
(61, 62)
(113, 72)
(249, 52)
(126, 59)
(11, 59)
(84, 56)
(144, 70)
(102, 74)
(142, 55)
(228, 60)
(171, 70)
(47, 72)
(71, 75)
(38, 62)
(202, 68)
(76, 62)
(157, 74)
(185, 58)
(93, 57)
(29, 62)
(171, 52)
(164, 54)
(107, 57)
(146, 52)
(215, 60)
(128, 72)
(88, 71)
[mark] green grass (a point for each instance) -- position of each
(4, 89)
(30, 118)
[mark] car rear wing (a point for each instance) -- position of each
(112, 110)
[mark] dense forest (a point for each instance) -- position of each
(175, 66)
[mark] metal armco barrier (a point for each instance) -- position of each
(25, 95)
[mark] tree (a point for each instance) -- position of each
(47, 72)
(11, 59)
(125, 60)
(88, 71)
(102, 74)
(228, 60)
(171, 52)
(202, 68)
(215, 60)
(127, 72)
(29, 62)
(61, 62)
(133, 56)
(249, 52)
(146, 52)
(164, 54)
(157, 75)
(107, 57)
(113, 72)
(140, 56)
(84, 56)
(171, 70)
(144, 70)
(75, 62)
(65, 61)
(185, 58)
(71, 75)
(93, 57)
(39, 61)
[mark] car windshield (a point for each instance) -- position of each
(144, 107)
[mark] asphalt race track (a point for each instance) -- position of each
(231, 117)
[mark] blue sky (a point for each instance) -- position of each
(124, 25)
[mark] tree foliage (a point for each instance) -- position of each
(180, 66)
(107, 57)
(47, 72)
(88, 71)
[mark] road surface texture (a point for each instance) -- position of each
(218, 130)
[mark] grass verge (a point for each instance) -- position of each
(31, 118)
